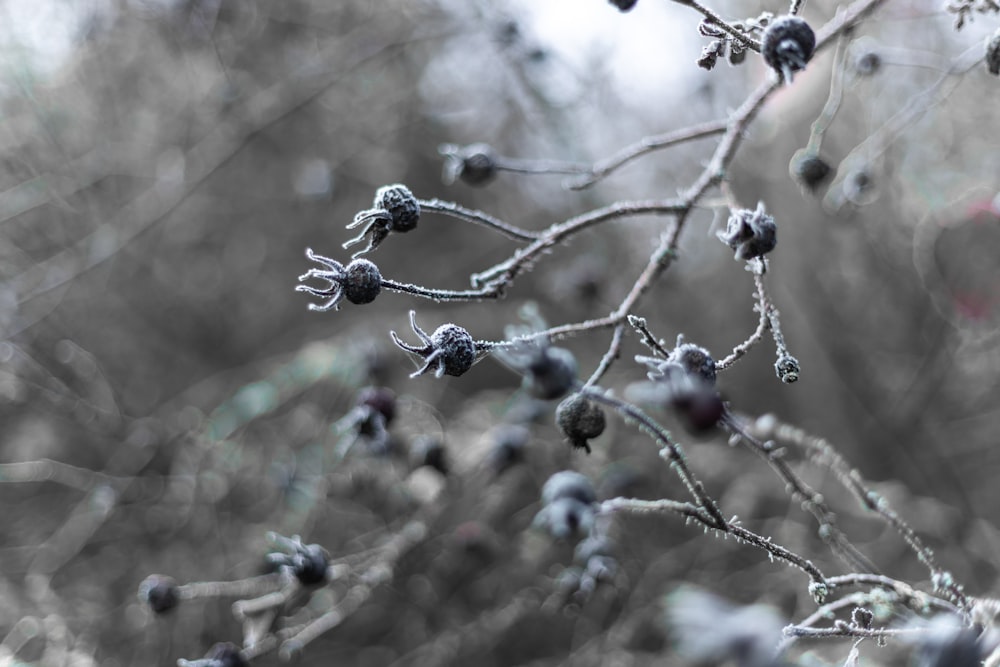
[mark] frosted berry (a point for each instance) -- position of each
(580, 419)
(402, 206)
(787, 368)
(787, 45)
(458, 350)
(450, 350)
(688, 391)
(395, 209)
(159, 592)
(362, 282)
(359, 282)
(695, 360)
(750, 233)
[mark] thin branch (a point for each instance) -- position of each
(646, 145)
(715, 19)
(614, 348)
(670, 450)
(477, 217)
(504, 273)
(636, 506)
(823, 453)
(812, 501)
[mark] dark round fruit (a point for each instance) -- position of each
(580, 419)
(362, 281)
(457, 346)
(402, 206)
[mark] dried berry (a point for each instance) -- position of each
(695, 360)
(475, 164)
(688, 392)
(402, 206)
(787, 368)
(551, 374)
(450, 349)
(159, 592)
(993, 54)
(750, 233)
(699, 410)
(359, 282)
(395, 209)
(362, 281)
(810, 170)
(568, 484)
(787, 45)
(580, 419)
(624, 5)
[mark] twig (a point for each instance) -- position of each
(477, 217)
(823, 453)
(646, 145)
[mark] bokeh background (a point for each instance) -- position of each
(166, 398)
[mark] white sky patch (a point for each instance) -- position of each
(39, 35)
(641, 46)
